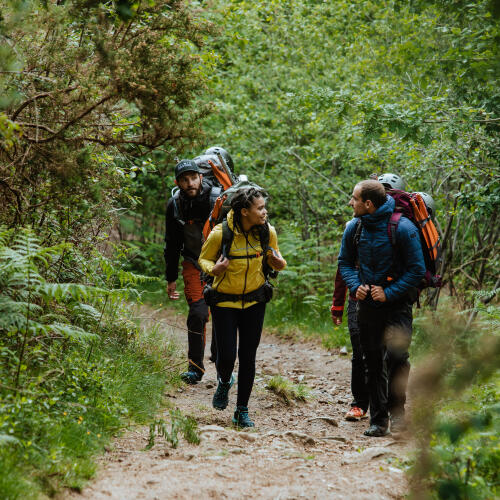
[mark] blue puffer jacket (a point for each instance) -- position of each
(378, 259)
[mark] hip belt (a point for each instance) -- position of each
(263, 294)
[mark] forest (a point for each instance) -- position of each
(100, 99)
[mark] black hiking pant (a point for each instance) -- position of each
(196, 322)
(248, 323)
(359, 383)
(385, 334)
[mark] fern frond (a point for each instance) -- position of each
(26, 243)
(72, 331)
(65, 291)
(86, 313)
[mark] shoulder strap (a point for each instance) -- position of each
(392, 227)
(215, 192)
(357, 234)
(177, 207)
(227, 238)
(264, 237)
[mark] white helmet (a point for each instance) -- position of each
(392, 181)
(429, 202)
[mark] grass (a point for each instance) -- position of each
(298, 320)
(287, 390)
(63, 426)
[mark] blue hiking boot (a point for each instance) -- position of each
(241, 418)
(191, 377)
(221, 396)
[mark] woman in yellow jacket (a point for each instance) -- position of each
(239, 293)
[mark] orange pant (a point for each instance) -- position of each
(193, 288)
(197, 316)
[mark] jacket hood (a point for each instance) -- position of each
(230, 221)
(383, 212)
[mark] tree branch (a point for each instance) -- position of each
(73, 121)
(40, 96)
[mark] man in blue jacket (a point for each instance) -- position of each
(383, 279)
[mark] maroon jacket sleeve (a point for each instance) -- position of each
(339, 295)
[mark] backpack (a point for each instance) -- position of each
(221, 208)
(412, 206)
(215, 173)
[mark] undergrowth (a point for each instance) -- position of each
(74, 369)
(455, 399)
(287, 390)
(179, 423)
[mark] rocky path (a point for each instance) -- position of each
(293, 452)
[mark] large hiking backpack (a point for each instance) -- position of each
(412, 206)
(215, 174)
(221, 208)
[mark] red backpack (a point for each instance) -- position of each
(412, 206)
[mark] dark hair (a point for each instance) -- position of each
(244, 198)
(374, 191)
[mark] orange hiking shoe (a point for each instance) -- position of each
(355, 414)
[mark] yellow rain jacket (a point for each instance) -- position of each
(242, 275)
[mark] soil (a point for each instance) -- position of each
(292, 453)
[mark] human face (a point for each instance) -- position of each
(255, 215)
(190, 183)
(359, 206)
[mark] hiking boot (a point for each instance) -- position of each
(355, 414)
(241, 418)
(398, 423)
(221, 396)
(191, 377)
(376, 431)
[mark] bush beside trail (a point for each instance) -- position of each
(74, 368)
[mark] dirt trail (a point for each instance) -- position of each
(291, 453)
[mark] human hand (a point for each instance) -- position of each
(220, 265)
(171, 291)
(378, 294)
(337, 320)
(362, 292)
(276, 260)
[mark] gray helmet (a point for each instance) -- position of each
(215, 150)
(203, 165)
(429, 202)
(392, 181)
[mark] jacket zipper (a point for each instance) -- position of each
(246, 274)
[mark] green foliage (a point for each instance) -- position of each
(73, 368)
(456, 411)
(287, 390)
(178, 423)
(326, 93)
(88, 88)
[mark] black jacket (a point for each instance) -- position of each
(183, 234)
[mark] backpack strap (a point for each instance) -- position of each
(392, 227)
(264, 237)
(357, 234)
(177, 206)
(215, 192)
(227, 239)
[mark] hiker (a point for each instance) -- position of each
(187, 211)
(239, 253)
(359, 386)
(383, 280)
